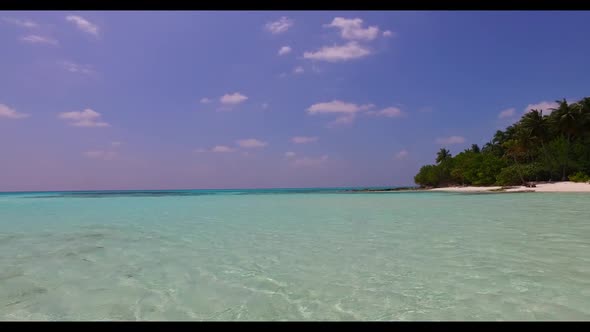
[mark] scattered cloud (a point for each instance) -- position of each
(36, 39)
(303, 139)
(544, 106)
(507, 113)
(232, 99)
(310, 162)
(403, 154)
(21, 23)
(205, 100)
(298, 70)
(100, 154)
(222, 149)
(389, 112)
(83, 24)
(289, 154)
(347, 110)
(450, 140)
(344, 120)
(284, 50)
(251, 143)
(116, 144)
(264, 106)
(216, 149)
(85, 118)
(352, 29)
(281, 25)
(337, 106)
(283, 75)
(76, 68)
(11, 113)
(426, 109)
(338, 53)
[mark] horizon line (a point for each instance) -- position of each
(189, 189)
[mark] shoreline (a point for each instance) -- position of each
(554, 187)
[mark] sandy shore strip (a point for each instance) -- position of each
(565, 186)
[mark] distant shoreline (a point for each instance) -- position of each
(564, 186)
(384, 190)
(555, 187)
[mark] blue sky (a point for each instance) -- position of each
(152, 100)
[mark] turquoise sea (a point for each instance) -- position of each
(297, 254)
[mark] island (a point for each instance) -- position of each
(540, 152)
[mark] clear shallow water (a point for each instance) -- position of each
(294, 255)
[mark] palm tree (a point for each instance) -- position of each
(535, 127)
(585, 105)
(475, 148)
(583, 108)
(499, 137)
(566, 119)
(442, 155)
(535, 124)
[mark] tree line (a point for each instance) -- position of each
(538, 147)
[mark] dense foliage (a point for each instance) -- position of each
(539, 147)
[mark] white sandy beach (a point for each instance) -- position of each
(565, 186)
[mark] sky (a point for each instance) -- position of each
(189, 99)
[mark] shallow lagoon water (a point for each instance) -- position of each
(294, 255)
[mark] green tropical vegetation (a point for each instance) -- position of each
(538, 147)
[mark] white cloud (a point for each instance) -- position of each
(344, 120)
(264, 106)
(303, 139)
(298, 70)
(76, 68)
(387, 33)
(100, 154)
(36, 39)
(85, 118)
(353, 29)
(11, 113)
(232, 99)
(284, 50)
(21, 23)
(307, 162)
(222, 149)
(337, 106)
(283, 75)
(403, 154)
(506, 113)
(217, 149)
(205, 100)
(281, 25)
(544, 106)
(251, 143)
(83, 24)
(348, 111)
(289, 154)
(116, 144)
(390, 112)
(338, 53)
(450, 140)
